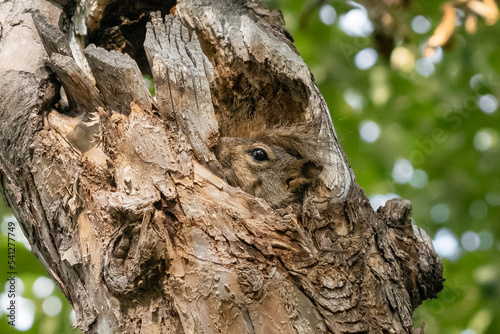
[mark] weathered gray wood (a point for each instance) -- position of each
(53, 39)
(180, 70)
(119, 80)
(83, 95)
(85, 102)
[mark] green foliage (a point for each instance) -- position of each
(432, 122)
(150, 83)
(435, 123)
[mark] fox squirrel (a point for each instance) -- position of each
(276, 164)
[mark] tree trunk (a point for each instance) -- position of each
(122, 199)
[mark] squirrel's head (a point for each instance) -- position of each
(264, 169)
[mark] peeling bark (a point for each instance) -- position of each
(121, 198)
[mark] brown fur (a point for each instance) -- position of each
(292, 164)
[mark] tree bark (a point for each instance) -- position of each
(120, 193)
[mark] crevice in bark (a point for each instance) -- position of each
(122, 27)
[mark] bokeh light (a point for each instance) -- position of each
(419, 179)
(487, 240)
(19, 286)
(483, 140)
(327, 14)
(356, 22)
(424, 67)
(476, 80)
(470, 241)
(52, 306)
(488, 103)
(468, 331)
(420, 24)
(43, 287)
(440, 213)
(402, 172)
(379, 200)
(446, 244)
(436, 56)
(369, 131)
(402, 59)
(353, 98)
(25, 311)
(365, 58)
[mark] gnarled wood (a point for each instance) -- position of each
(181, 73)
(119, 80)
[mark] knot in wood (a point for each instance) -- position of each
(397, 212)
(251, 282)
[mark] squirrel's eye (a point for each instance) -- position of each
(258, 154)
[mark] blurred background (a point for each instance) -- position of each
(417, 118)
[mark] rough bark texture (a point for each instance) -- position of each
(119, 193)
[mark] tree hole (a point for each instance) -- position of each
(123, 28)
